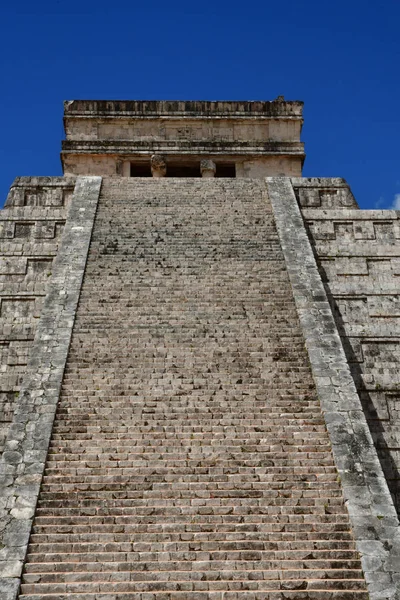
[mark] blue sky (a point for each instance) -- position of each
(341, 58)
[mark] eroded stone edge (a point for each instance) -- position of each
(373, 516)
(23, 460)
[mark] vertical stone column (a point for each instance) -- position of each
(207, 168)
(372, 513)
(24, 456)
(158, 166)
(126, 168)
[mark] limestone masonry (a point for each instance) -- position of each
(199, 385)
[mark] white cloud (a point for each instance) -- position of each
(380, 202)
(396, 202)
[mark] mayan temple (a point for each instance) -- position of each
(200, 374)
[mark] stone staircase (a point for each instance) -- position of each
(189, 457)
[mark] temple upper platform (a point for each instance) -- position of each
(191, 138)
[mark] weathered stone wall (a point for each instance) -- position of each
(358, 254)
(101, 165)
(267, 167)
(190, 129)
(31, 225)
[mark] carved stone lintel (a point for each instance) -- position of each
(207, 168)
(158, 165)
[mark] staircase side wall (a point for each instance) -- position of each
(373, 516)
(31, 226)
(39, 383)
(358, 256)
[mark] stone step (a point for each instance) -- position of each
(81, 463)
(271, 523)
(78, 469)
(182, 546)
(186, 508)
(150, 567)
(151, 533)
(233, 452)
(206, 555)
(139, 511)
(167, 537)
(123, 454)
(238, 486)
(70, 448)
(97, 499)
(203, 516)
(83, 523)
(185, 412)
(200, 420)
(192, 575)
(212, 470)
(281, 489)
(309, 594)
(107, 492)
(281, 474)
(178, 585)
(159, 480)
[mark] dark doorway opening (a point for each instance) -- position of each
(178, 170)
(140, 170)
(143, 169)
(225, 170)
